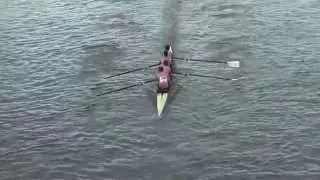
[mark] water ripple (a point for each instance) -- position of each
(264, 126)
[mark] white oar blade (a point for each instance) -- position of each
(234, 64)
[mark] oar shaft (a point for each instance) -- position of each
(134, 70)
(117, 90)
(127, 72)
(127, 87)
(200, 75)
(200, 60)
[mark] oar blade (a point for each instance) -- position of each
(234, 64)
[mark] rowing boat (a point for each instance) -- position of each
(162, 97)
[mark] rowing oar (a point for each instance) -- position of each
(229, 63)
(127, 87)
(134, 70)
(127, 72)
(205, 76)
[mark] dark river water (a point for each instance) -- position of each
(266, 125)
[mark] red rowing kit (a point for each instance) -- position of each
(165, 70)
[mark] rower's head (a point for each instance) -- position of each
(165, 53)
(166, 62)
(167, 47)
(160, 69)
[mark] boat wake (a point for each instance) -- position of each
(171, 21)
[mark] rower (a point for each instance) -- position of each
(166, 63)
(168, 53)
(165, 53)
(167, 47)
(163, 84)
(167, 67)
(160, 69)
(164, 78)
(166, 57)
(164, 68)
